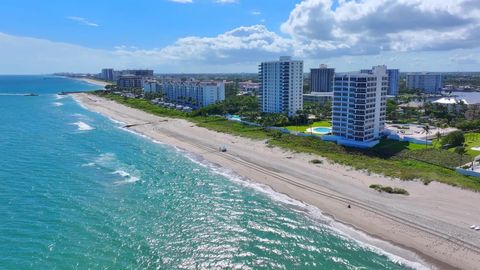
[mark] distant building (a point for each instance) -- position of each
(281, 86)
(129, 81)
(358, 109)
(393, 80)
(107, 74)
(320, 98)
(321, 79)
(145, 73)
(427, 82)
(151, 86)
(195, 94)
(249, 87)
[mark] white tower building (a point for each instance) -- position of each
(281, 86)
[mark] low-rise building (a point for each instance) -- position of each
(195, 94)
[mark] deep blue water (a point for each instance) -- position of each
(78, 192)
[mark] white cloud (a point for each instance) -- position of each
(82, 21)
(372, 26)
(256, 13)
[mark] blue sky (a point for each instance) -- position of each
(234, 35)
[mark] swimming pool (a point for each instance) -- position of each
(320, 130)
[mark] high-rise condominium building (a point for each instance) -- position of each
(107, 74)
(393, 80)
(281, 86)
(427, 82)
(321, 79)
(358, 110)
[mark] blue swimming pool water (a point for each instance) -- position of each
(322, 129)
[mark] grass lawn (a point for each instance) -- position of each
(472, 140)
(303, 128)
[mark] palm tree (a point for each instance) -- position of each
(426, 129)
(439, 136)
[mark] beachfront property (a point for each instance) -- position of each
(281, 86)
(321, 79)
(133, 78)
(107, 74)
(320, 98)
(129, 81)
(393, 80)
(196, 94)
(425, 81)
(358, 109)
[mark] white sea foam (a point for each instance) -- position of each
(129, 180)
(105, 158)
(90, 164)
(57, 104)
(121, 173)
(82, 126)
(57, 96)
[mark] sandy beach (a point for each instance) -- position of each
(93, 81)
(430, 226)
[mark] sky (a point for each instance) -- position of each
(226, 36)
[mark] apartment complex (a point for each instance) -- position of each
(107, 74)
(133, 78)
(358, 110)
(281, 86)
(195, 94)
(321, 79)
(427, 82)
(130, 81)
(393, 80)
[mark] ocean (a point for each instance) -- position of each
(79, 192)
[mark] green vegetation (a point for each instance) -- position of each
(316, 161)
(397, 165)
(304, 127)
(472, 140)
(454, 139)
(391, 158)
(390, 190)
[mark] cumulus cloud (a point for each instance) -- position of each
(372, 26)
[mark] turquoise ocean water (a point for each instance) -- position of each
(78, 192)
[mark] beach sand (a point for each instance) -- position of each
(93, 81)
(430, 225)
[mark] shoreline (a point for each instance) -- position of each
(91, 81)
(337, 187)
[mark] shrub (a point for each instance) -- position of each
(316, 161)
(456, 138)
(389, 190)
